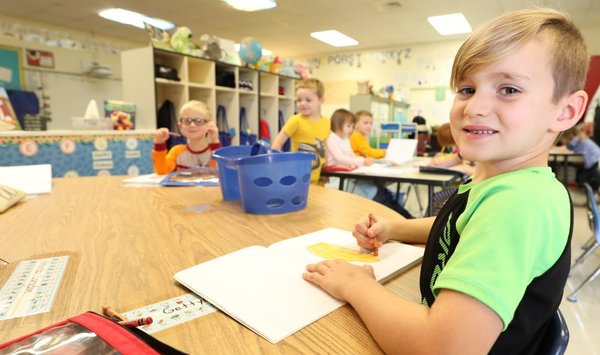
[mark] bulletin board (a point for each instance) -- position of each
(11, 68)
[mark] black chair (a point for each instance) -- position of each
(590, 247)
(556, 339)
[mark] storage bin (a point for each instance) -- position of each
(274, 183)
(228, 175)
(266, 182)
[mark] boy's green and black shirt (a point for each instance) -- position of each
(506, 242)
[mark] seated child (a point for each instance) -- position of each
(196, 124)
(449, 155)
(498, 254)
(359, 138)
(339, 153)
(576, 141)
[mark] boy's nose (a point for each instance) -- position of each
(478, 105)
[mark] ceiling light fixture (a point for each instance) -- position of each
(334, 38)
(450, 24)
(251, 5)
(134, 19)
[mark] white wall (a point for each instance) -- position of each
(67, 87)
(418, 73)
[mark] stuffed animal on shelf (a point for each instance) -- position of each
(288, 69)
(276, 64)
(181, 40)
(158, 38)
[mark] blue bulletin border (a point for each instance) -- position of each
(81, 155)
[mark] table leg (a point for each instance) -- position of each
(430, 200)
(341, 185)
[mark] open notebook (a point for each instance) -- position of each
(262, 287)
(400, 150)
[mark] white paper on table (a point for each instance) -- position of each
(31, 179)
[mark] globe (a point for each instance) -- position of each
(250, 50)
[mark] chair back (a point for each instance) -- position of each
(556, 339)
(593, 211)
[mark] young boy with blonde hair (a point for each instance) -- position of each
(359, 138)
(308, 129)
(197, 125)
(498, 254)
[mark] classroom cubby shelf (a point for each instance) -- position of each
(270, 92)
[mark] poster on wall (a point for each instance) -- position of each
(37, 58)
(11, 73)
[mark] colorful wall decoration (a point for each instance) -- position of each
(81, 154)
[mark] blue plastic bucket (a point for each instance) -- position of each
(274, 183)
(228, 175)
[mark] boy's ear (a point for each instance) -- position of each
(572, 110)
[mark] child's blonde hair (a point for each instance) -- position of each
(313, 84)
(499, 37)
(339, 119)
(360, 113)
(198, 106)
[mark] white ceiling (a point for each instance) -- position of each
(285, 29)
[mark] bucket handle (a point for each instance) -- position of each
(260, 147)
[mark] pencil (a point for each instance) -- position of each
(174, 134)
(109, 312)
(371, 222)
(136, 322)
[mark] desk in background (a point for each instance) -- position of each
(126, 243)
(560, 162)
(402, 175)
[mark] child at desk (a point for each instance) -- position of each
(308, 130)
(195, 123)
(497, 255)
(576, 141)
(338, 152)
(449, 155)
(359, 138)
(340, 156)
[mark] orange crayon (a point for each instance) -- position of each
(136, 322)
(371, 222)
(109, 312)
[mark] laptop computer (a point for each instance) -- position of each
(400, 150)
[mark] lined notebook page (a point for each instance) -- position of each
(263, 287)
(262, 290)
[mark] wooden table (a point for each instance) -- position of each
(126, 243)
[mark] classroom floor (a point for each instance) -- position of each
(583, 316)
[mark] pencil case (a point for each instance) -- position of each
(87, 333)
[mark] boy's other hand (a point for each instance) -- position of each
(337, 277)
(161, 136)
(369, 161)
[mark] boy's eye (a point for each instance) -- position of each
(509, 91)
(466, 91)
